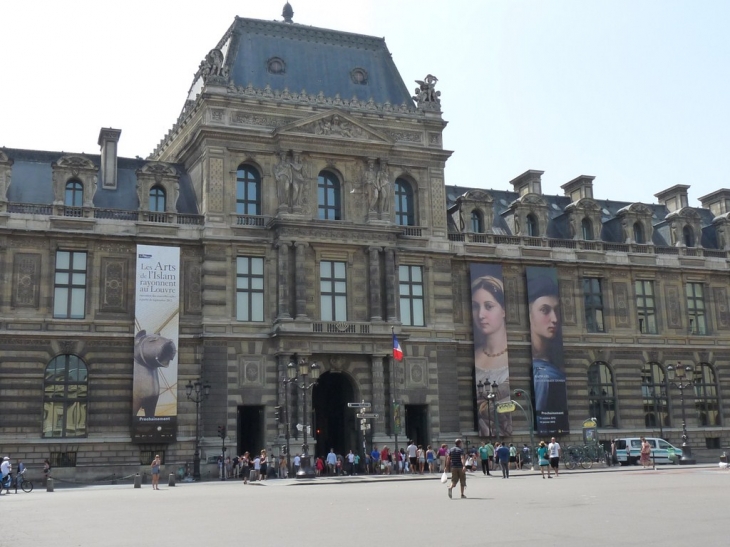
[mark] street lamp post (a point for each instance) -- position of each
(287, 432)
(197, 392)
(490, 396)
(679, 377)
(300, 379)
(522, 395)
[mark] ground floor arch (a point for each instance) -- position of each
(334, 424)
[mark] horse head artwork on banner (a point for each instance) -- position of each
(151, 352)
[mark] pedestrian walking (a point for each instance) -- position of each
(484, 458)
(455, 461)
(542, 459)
(555, 452)
(512, 456)
(502, 456)
(645, 454)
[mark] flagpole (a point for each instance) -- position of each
(392, 406)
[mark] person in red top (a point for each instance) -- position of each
(385, 460)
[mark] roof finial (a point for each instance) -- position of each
(287, 13)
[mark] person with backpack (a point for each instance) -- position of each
(455, 460)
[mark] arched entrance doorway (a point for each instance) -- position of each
(334, 423)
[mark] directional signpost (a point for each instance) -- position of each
(359, 405)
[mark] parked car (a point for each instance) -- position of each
(662, 451)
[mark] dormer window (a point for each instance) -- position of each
(532, 228)
(688, 236)
(74, 196)
(638, 233)
(157, 200)
(587, 229)
(477, 222)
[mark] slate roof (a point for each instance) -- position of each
(315, 59)
(558, 225)
(31, 181)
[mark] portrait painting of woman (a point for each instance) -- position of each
(491, 356)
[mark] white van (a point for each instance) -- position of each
(662, 451)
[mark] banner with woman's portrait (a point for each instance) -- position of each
(546, 337)
(491, 356)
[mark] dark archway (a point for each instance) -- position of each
(335, 425)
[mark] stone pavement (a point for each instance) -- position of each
(619, 507)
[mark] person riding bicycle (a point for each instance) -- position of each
(5, 469)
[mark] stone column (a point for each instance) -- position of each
(391, 287)
(300, 273)
(378, 395)
(283, 280)
(375, 299)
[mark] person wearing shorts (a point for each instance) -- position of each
(554, 451)
(456, 460)
(155, 467)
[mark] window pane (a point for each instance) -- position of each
(326, 307)
(78, 279)
(61, 278)
(76, 419)
(340, 287)
(242, 282)
(405, 311)
(242, 265)
(324, 269)
(340, 270)
(77, 303)
(62, 260)
(257, 306)
(325, 286)
(404, 288)
(242, 306)
(416, 274)
(417, 290)
(257, 283)
(257, 266)
(418, 313)
(340, 308)
(403, 273)
(60, 302)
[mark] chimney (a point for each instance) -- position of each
(528, 182)
(718, 202)
(108, 139)
(674, 198)
(579, 188)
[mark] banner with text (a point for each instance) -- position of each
(156, 327)
(491, 358)
(546, 337)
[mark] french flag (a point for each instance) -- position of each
(397, 351)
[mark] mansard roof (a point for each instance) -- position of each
(314, 59)
(32, 181)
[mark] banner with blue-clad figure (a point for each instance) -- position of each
(156, 329)
(491, 355)
(546, 337)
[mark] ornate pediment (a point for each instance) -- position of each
(637, 208)
(75, 164)
(685, 213)
(477, 195)
(334, 124)
(533, 199)
(583, 204)
(157, 170)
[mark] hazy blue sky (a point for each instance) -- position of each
(633, 92)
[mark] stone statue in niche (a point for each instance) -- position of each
(377, 189)
(426, 94)
(290, 180)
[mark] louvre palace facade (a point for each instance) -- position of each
(303, 185)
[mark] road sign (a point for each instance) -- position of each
(504, 408)
(359, 405)
(368, 415)
(365, 427)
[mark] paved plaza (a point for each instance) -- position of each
(618, 507)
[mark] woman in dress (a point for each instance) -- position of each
(155, 466)
(263, 465)
(490, 351)
(645, 454)
(542, 459)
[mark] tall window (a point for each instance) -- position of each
(404, 209)
(593, 301)
(333, 290)
(477, 222)
(706, 400)
(601, 395)
(638, 233)
(532, 228)
(587, 228)
(74, 196)
(654, 392)
(248, 191)
(328, 196)
(696, 308)
(65, 391)
(646, 307)
(69, 289)
(157, 199)
(249, 288)
(688, 236)
(411, 295)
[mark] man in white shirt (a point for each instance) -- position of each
(554, 452)
(413, 457)
(5, 469)
(351, 463)
(331, 461)
(297, 463)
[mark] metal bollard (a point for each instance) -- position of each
(137, 481)
(114, 478)
(49, 484)
(171, 479)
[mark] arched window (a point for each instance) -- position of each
(706, 400)
(587, 229)
(532, 228)
(601, 395)
(638, 233)
(328, 196)
(65, 391)
(654, 390)
(157, 199)
(688, 236)
(404, 209)
(74, 194)
(477, 222)
(248, 191)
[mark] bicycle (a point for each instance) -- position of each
(573, 456)
(15, 481)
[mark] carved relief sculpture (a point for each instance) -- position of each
(290, 175)
(377, 189)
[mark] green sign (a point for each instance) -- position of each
(504, 408)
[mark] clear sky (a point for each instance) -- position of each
(634, 92)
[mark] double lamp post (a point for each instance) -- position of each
(681, 378)
(299, 375)
(197, 392)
